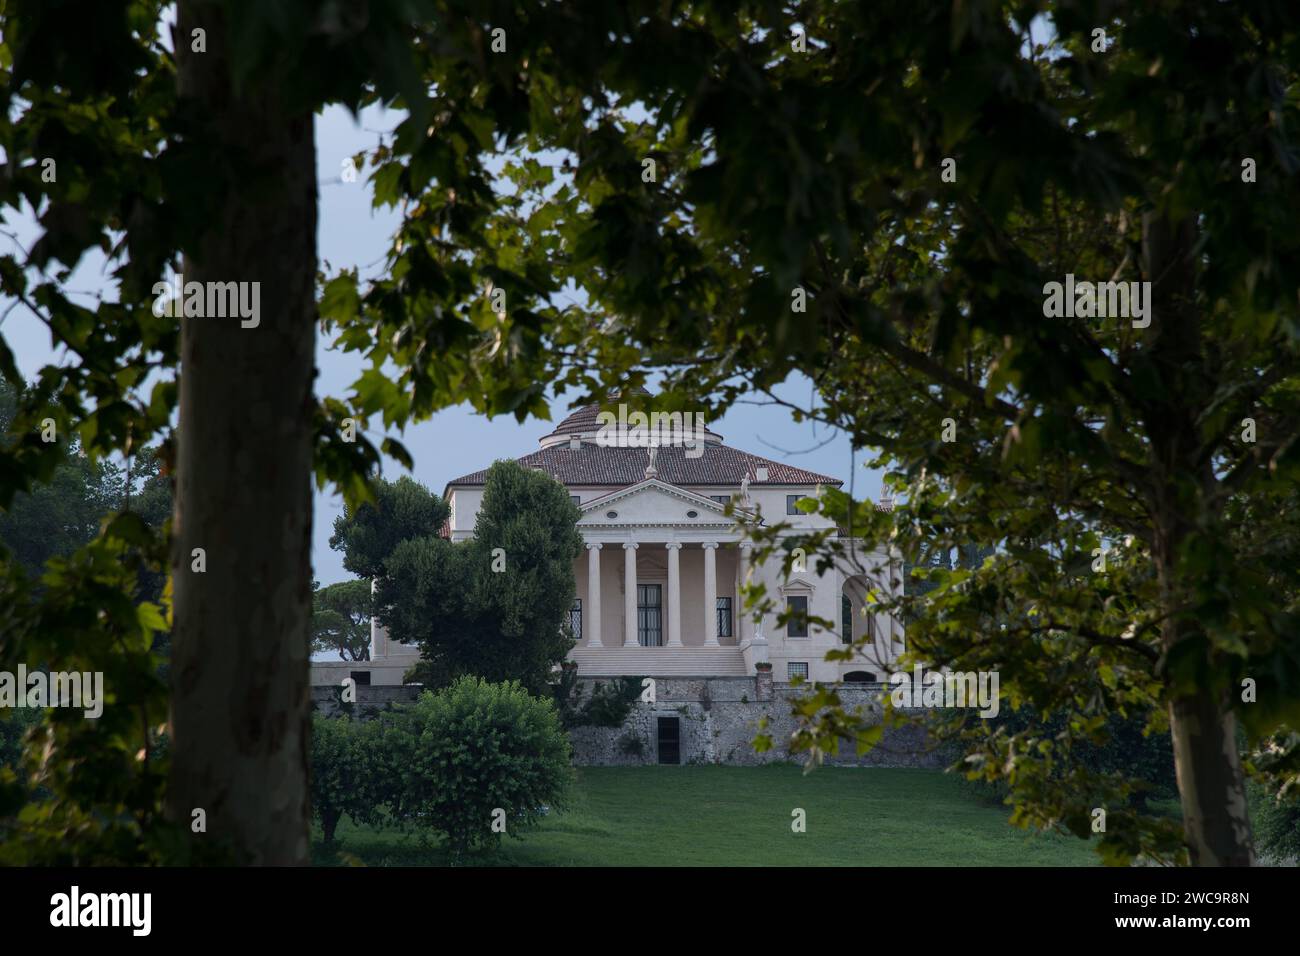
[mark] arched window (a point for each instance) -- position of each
(859, 677)
(846, 619)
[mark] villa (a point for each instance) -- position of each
(658, 588)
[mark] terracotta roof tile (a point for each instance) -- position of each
(619, 467)
(584, 419)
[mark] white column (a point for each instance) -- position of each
(376, 633)
(710, 594)
(593, 595)
(674, 594)
(629, 595)
(744, 622)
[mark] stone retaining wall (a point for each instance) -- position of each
(717, 720)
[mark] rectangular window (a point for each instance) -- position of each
(576, 499)
(790, 508)
(721, 499)
(795, 669)
(360, 678)
(724, 617)
(797, 626)
(575, 619)
(649, 615)
(846, 620)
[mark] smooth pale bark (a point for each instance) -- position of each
(1211, 783)
(240, 684)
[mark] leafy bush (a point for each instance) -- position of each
(1144, 762)
(608, 705)
(344, 761)
(472, 749)
(564, 692)
(92, 800)
(1277, 823)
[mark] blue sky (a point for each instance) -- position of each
(456, 441)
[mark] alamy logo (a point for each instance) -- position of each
(103, 909)
(83, 690)
(655, 430)
(212, 300)
(1086, 300)
(946, 689)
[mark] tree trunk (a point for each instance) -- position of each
(240, 702)
(1211, 783)
(1216, 824)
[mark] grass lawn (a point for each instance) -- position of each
(741, 816)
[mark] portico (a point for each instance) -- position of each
(654, 591)
(688, 608)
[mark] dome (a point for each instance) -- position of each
(584, 423)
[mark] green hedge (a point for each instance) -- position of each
(479, 759)
(470, 762)
(345, 771)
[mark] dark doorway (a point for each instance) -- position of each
(670, 741)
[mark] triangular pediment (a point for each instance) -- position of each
(653, 502)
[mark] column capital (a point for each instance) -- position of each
(629, 545)
(593, 545)
(673, 545)
(709, 544)
(747, 545)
